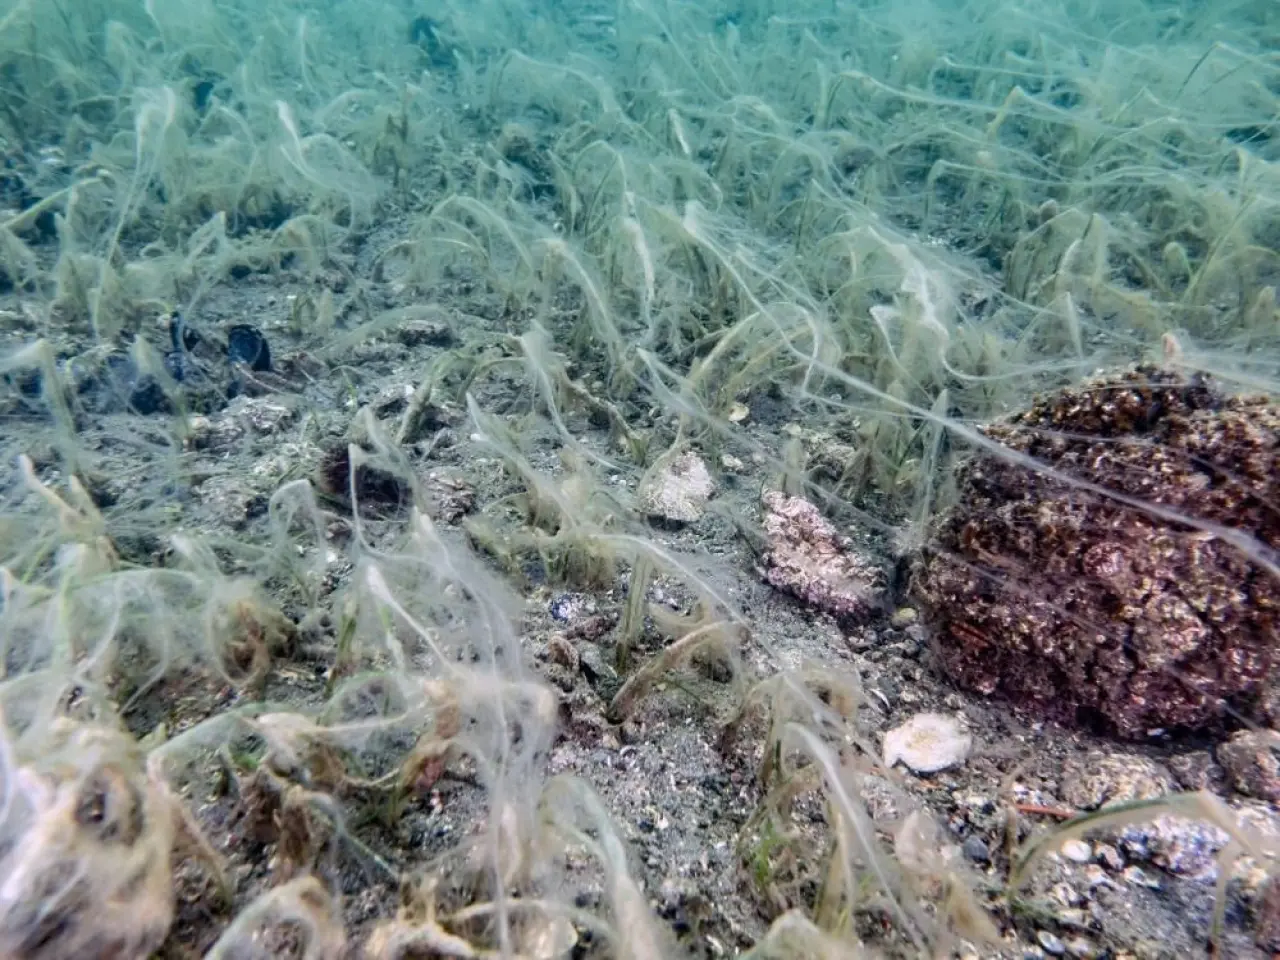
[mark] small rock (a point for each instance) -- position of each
(1051, 944)
(1098, 779)
(561, 677)
(199, 430)
(1097, 877)
(808, 559)
(282, 461)
(1066, 895)
(1082, 947)
(391, 400)
(1179, 845)
(1195, 770)
(375, 489)
(450, 498)
(594, 667)
(1140, 878)
(1072, 918)
(1109, 856)
(928, 743)
(1267, 930)
(1269, 706)
(561, 651)
(903, 617)
(261, 415)
(1250, 761)
(227, 498)
(883, 800)
(1077, 851)
(593, 627)
(676, 488)
(1262, 818)
(567, 607)
(418, 333)
(975, 849)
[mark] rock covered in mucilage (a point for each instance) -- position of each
(808, 559)
(676, 488)
(1081, 607)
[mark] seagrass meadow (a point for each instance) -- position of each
(648, 479)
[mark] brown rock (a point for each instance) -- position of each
(561, 651)
(1267, 931)
(1098, 779)
(1249, 758)
(810, 560)
(1084, 608)
(1196, 770)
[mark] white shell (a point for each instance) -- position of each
(927, 743)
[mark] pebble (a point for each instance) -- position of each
(1109, 856)
(1251, 764)
(1077, 851)
(1097, 877)
(1066, 895)
(567, 607)
(975, 849)
(1099, 778)
(1051, 944)
(1073, 918)
(1182, 846)
(1195, 770)
(676, 488)
(903, 617)
(594, 666)
(1140, 878)
(561, 651)
(1082, 947)
(259, 414)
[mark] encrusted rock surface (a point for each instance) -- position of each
(808, 559)
(1084, 608)
(1251, 763)
(676, 488)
